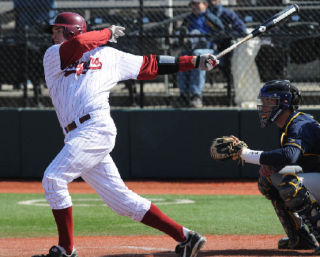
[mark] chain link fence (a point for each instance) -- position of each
(289, 51)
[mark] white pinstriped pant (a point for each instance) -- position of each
(86, 154)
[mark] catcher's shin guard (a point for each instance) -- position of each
(302, 240)
(298, 199)
(267, 189)
(298, 236)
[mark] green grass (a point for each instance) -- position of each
(209, 214)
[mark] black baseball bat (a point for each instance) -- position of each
(265, 26)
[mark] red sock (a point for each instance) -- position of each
(64, 222)
(157, 219)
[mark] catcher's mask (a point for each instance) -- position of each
(275, 97)
(73, 24)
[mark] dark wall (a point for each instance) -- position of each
(41, 139)
(162, 144)
(10, 144)
(175, 144)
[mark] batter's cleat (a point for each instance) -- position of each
(303, 240)
(192, 246)
(55, 251)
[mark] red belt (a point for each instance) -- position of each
(73, 124)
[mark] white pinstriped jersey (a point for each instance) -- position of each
(85, 86)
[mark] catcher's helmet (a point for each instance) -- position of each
(276, 96)
(73, 24)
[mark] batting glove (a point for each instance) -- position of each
(116, 32)
(206, 62)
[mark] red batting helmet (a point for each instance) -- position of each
(73, 24)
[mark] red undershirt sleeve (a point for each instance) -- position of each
(73, 49)
(185, 63)
(154, 65)
(149, 68)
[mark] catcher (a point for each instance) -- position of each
(290, 175)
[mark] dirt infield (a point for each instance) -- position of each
(143, 246)
(147, 187)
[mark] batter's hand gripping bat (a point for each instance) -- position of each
(265, 26)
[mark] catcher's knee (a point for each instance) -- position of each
(266, 188)
(293, 192)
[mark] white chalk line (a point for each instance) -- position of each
(98, 202)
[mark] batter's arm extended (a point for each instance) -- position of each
(154, 65)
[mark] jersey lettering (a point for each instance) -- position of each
(82, 67)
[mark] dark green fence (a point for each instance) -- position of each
(166, 144)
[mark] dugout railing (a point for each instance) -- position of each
(291, 51)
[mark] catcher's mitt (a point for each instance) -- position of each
(226, 147)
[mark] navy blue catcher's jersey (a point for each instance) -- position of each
(303, 132)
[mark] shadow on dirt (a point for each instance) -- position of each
(238, 252)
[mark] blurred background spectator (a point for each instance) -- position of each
(233, 25)
(200, 22)
(234, 29)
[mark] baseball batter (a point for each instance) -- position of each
(290, 175)
(79, 75)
